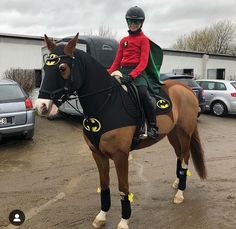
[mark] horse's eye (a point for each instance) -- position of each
(64, 70)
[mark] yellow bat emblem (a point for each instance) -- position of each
(92, 125)
(52, 59)
(163, 104)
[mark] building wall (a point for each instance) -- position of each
(20, 53)
(228, 64)
(176, 61)
(200, 62)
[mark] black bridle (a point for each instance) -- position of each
(67, 90)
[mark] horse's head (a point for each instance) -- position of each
(59, 79)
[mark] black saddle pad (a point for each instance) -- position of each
(163, 102)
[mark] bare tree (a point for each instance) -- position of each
(25, 78)
(214, 39)
(103, 31)
(223, 35)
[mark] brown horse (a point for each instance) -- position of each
(68, 70)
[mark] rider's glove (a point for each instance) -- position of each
(126, 80)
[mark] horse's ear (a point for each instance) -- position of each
(70, 47)
(50, 43)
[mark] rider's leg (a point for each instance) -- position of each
(149, 110)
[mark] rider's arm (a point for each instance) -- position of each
(118, 58)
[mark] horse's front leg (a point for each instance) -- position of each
(103, 168)
(121, 164)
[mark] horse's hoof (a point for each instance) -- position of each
(176, 183)
(179, 197)
(98, 223)
(100, 220)
(123, 224)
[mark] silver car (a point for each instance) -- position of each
(17, 116)
(220, 96)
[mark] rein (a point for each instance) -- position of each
(90, 94)
(109, 89)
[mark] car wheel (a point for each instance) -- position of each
(219, 108)
(29, 135)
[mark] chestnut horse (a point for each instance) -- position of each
(68, 70)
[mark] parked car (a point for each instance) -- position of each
(189, 81)
(220, 96)
(17, 116)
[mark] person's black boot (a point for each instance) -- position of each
(152, 131)
(149, 105)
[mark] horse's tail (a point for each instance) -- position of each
(197, 154)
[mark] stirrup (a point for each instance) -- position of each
(143, 132)
(153, 133)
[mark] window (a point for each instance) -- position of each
(211, 86)
(185, 71)
(233, 84)
(218, 73)
(220, 86)
(10, 92)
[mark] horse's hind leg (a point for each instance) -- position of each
(121, 164)
(103, 168)
(181, 145)
(174, 141)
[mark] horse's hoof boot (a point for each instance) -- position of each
(179, 197)
(98, 223)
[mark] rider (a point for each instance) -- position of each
(132, 59)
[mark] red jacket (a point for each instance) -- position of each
(133, 51)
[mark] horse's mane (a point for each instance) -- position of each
(95, 75)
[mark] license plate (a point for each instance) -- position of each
(3, 121)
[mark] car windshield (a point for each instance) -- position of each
(189, 82)
(233, 84)
(10, 92)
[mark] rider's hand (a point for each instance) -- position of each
(126, 80)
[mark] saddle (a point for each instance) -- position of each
(161, 100)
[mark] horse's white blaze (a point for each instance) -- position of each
(44, 106)
(179, 197)
(100, 220)
(123, 224)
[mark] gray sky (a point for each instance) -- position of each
(166, 20)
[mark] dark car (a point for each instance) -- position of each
(17, 116)
(189, 81)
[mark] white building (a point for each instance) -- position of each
(199, 64)
(19, 51)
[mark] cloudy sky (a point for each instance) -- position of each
(166, 20)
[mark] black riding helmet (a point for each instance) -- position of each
(135, 12)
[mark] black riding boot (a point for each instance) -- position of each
(150, 111)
